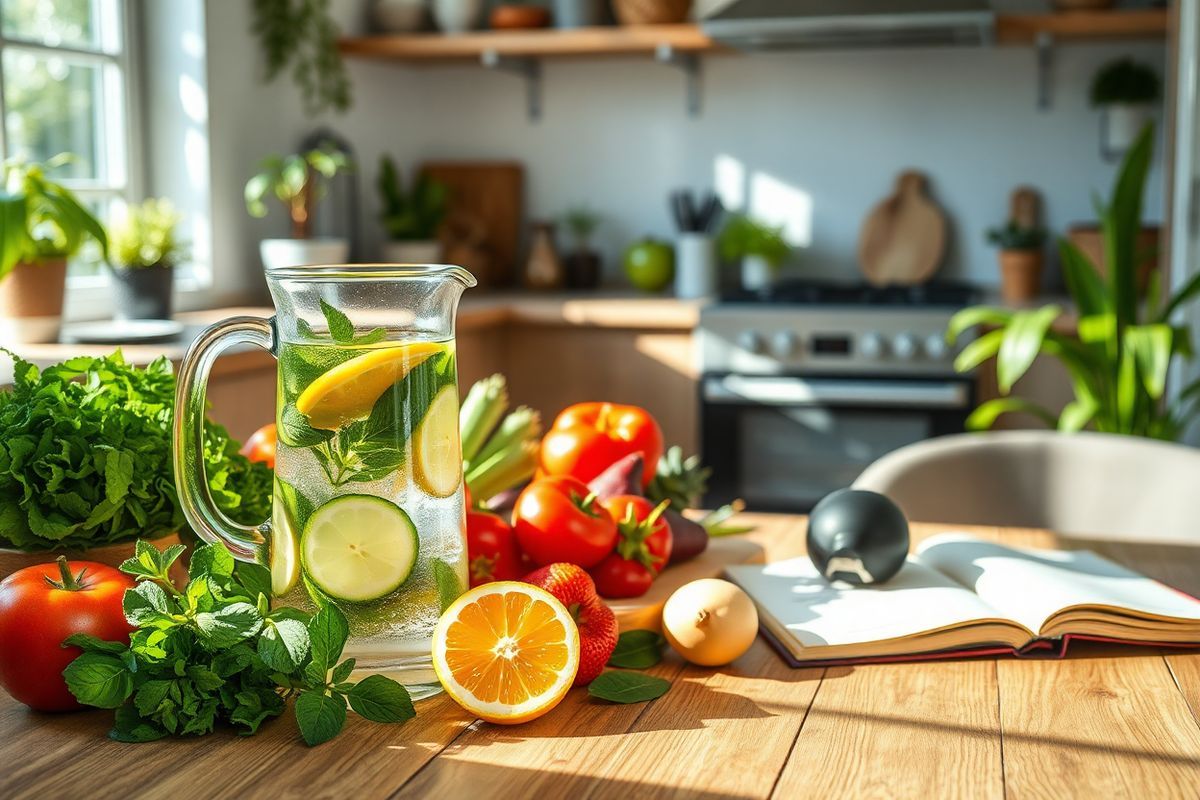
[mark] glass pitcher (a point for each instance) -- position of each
(368, 509)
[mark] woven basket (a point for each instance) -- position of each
(651, 12)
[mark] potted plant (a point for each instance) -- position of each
(95, 473)
(1124, 350)
(411, 219)
(1020, 259)
(582, 263)
(1127, 92)
(300, 38)
(760, 249)
(142, 253)
(299, 182)
(42, 224)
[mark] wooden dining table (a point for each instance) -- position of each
(1107, 721)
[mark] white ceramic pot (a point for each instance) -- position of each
(695, 266)
(278, 253)
(756, 273)
(457, 16)
(1122, 124)
(350, 16)
(399, 16)
(412, 252)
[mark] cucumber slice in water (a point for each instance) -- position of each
(437, 454)
(359, 547)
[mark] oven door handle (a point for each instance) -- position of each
(740, 390)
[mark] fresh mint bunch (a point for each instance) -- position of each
(216, 652)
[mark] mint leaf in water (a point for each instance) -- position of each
(320, 716)
(295, 431)
(341, 329)
(381, 699)
(449, 587)
(637, 649)
(627, 687)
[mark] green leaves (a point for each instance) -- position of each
(340, 326)
(627, 687)
(1023, 339)
(213, 653)
(86, 458)
(449, 586)
(41, 219)
(637, 649)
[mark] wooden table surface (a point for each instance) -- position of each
(1107, 722)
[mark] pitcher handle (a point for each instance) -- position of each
(246, 542)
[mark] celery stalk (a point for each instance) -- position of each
(502, 470)
(522, 424)
(483, 407)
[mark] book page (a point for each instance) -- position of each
(818, 613)
(1030, 586)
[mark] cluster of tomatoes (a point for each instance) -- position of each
(623, 541)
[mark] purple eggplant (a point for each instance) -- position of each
(688, 538)
(623, 476)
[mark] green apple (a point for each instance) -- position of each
(650, 264)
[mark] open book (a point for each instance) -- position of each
(959, 595)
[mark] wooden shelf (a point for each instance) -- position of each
(1082, 25)
(549, 43)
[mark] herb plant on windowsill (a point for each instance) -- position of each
(759, 248)
(1119, 363)
(42, 224)
(143, 252)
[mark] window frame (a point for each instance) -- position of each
(91, 293)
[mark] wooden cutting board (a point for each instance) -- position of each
(903, 239)
(483, 226)
(646, 611)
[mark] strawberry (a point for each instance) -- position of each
(573, 587)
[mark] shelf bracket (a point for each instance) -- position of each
(528, 68)
(1044, 44)
(690, 64)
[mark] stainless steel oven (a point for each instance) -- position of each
(805, 385)
(783, 442)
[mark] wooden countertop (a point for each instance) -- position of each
(1105, 722)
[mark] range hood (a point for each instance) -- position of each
(804, 24)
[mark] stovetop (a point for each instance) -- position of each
(935, 294)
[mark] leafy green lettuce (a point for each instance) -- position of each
(85, 457)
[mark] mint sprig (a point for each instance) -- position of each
(216, 653)
(341, 329)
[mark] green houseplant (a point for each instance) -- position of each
(1020, 259)
(143, 251)
(42, 224)
(298, 182)
(1126, 91)
(411, 218)
(1118, 365)
(758, 247)
(300, 37)
(581, 266)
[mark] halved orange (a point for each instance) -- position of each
(506, 651)
(348, 391)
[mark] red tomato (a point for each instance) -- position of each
(492, 553)
(261, 445)
(37, 615)
(643, 547)
(557, 519)
(588, 437)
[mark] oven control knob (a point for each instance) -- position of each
(751, 342)
(936, 347)
(785, 344)
(871, 345)
(905, 346)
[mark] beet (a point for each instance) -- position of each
(688, 538)
(623, 476)
(504, 502)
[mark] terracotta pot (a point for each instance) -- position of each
(519, 17)
(1089, 239)
(31, 302)
(110, 554)
(1020, 275)
(651, 12)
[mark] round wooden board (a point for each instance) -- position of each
(903, 239)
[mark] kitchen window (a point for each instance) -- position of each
(66, 86)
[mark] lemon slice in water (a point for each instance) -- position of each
(437, 454)
(358, 547)
(348, 391)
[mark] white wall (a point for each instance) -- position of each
(837, 127)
